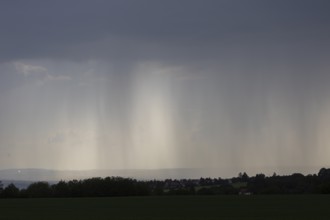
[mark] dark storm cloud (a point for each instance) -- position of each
(164, 83)
(166, 30)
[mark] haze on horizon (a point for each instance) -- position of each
(149, 84)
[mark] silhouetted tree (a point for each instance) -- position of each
(257, 184)
(75, 188)
(61, 189)
(11, 191)
(324, 174)
(39, 189)
(245, 177)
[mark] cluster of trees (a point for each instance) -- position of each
(94, 187)
(118, 186)
(293, 184)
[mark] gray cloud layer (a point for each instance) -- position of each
(170, 30)
(164, 84)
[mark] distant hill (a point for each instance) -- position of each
(56, 175)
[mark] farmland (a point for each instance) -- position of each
(169, 207)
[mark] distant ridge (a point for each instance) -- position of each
(32, 175)
(56, 175)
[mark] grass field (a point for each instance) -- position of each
(172, 207)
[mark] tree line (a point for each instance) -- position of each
(93, 187)
(118, 186)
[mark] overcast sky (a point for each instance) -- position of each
(149, 84)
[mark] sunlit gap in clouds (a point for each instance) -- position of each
(152, 125)
(124, 120)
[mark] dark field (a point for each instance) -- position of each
(172, 207)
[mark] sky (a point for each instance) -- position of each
(232, 85)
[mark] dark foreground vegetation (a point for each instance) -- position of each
(118, 186)
(282, 207)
